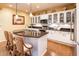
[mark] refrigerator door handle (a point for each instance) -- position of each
(76, 42)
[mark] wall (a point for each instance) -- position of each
(6, 21)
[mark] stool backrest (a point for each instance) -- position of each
(19, 45)
(6, 35)
(10, 38)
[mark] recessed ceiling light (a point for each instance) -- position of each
(28, 3)
(26, 10)
(37, 6)
(10, 5)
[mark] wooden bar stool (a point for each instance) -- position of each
(22, 48)
(10, 42)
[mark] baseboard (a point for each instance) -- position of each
(44, 52)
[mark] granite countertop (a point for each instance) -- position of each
(30, 33)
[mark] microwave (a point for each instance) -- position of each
(44, 21)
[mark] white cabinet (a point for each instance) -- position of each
(62, 17)
(50, 21)
(32, 20)
(39, 45)
(44, 16)
(38, 19)
(60, 36)
(69, 15)
(55, 18)
(35, 19)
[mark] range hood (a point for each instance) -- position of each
(45, 16)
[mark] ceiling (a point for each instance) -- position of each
(34, 6)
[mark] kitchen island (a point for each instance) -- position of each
(36, 38)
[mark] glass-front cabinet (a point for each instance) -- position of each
(61, 18)
(68, 17)
(50, 19)
(32, 20)
(55, 18)
(35, 19)
(65, 17)
(38, 19)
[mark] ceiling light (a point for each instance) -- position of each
(30, 10)
(10, 5)
(16, 16)
(26, 10)
(28, 3)
(16, 12)
(31, 15)
(37, 6)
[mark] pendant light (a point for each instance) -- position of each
(30, 10)
(16, 12)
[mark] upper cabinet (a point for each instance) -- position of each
(35, 19)
(44, 16)
(55, 18)
(50, 19)
(68, 17)
(61, 17)
(32, 20)
(38, 19)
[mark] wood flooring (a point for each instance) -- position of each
(57, 49)
(54, 49)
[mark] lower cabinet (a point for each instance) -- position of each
(60, 36)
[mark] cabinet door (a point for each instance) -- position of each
(35, 20)
(68, 17)
(49, 19)
(55, 18)
(73, 16)
(61, 17)
(38, 19)
(31, 20)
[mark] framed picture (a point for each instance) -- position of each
(19, 21)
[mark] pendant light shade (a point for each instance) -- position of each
(16, 12)
(30, 11)
(16, 16)
(31, 14)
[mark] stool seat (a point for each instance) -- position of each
(28, 49)
(28, 45)
(25, 49)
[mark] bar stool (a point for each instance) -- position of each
(22, 48)
(29, 46)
